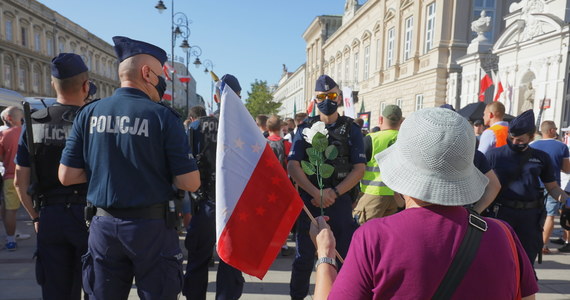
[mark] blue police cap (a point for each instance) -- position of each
(126, 47)
(447, 106)
(92, 88)
(67, 65)
(232, 82)
(325, 83)
(523, 123)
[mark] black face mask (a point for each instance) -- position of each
(327, 107)
(517, 147)
(160, 86)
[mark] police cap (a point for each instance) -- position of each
(325, 83)
(67, 65)
(126, 47)
(232, 82)
(523, 123)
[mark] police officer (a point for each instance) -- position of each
(201, 236)
(131, 150)
(520, 169)
(62, 233)
(339, 192)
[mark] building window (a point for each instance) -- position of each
(356, 67)
(24, 31)
(37, 80)
(419, 101)
(430, 27)
(22, 76)
(366, 61)
(332, 70)
(9, 30)
(347, 69)
(8, 75)
(48, 84)
(37, 42)
(382, 107)
(61, 46)
(390, 58)
(489, 7)
(339, 70)
(400, 103)
(49, 46)
(409, 23)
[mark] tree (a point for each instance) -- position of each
(260, 101)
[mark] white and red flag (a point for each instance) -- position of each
(167, 95)
(311, 108)
(256, 204)
(168, 71)
(484, 84)
(499, 86)
(184, 78)
(348, 102)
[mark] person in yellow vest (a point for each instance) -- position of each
(496, 135)
(377, 199)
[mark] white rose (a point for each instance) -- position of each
(309, 133)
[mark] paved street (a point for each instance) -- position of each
(17, 281)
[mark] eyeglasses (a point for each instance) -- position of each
(330, 96)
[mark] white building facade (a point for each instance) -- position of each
(290, 92)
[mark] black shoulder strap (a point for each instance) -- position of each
(464, 257)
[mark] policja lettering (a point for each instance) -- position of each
(118, 124)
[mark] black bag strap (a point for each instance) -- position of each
(464, 257)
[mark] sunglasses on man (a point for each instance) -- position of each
(330, 96)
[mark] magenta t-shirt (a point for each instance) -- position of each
(406, 255)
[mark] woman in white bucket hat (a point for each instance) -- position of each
(407, 255)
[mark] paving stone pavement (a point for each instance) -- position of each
(17, 279)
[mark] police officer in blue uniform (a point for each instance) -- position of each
(340, 189)
(62, 233)
(131, 149)
(201, 236)
(520, 169)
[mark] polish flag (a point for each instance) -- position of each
(497, 82)
(167, 95)
(184, 78)
(256, 204)
(485, 83)
(168, 70)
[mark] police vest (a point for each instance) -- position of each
(339, 137)
(501, 134)
(371, 182)
(206, 158)
(51, 127)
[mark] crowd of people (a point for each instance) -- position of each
(426, 206)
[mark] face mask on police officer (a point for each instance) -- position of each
(328, 107)
(160, 86)
(517, 147)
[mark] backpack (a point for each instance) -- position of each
(278, 148)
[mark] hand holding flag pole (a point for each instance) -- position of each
(314, 221)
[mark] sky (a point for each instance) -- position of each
(249, 39)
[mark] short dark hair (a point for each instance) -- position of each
(274, 123)
(299, 117)
(197, 112)
(261, 120)
(71, 84)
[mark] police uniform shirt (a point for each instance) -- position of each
(356, 144)
(130, 147)
(481, 162)
(524, 187)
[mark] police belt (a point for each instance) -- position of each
(156, 211)
(520, 204)
(62, 197)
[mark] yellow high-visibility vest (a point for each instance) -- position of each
(372, 183)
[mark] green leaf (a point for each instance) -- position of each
(314, 156)
(320, 142)
(326, 170)
(331, 152)
(308, 168)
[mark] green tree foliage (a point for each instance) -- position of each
(260, 101)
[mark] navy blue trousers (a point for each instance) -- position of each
(526, 223)
(120, 249)
(342, 225)
(200, 242)
(61, 241)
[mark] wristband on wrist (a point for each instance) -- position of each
(36, 220)
(336, 191)
(326, 260)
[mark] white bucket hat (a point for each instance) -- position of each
(432, 159)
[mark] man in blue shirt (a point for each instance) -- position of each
(131, 150)
(521, 169)
(559, 157)
(339, 190)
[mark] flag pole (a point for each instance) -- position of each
(315, 223)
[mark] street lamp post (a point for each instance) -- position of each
(209, 64)
(196, 51)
